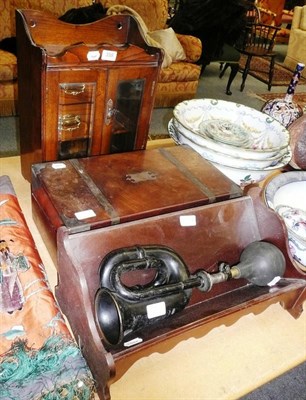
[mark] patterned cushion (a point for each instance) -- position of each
(8, 66)
(8, 83)
(8, 98)
(169, 94)
(192, 47)
(180, 72)
(5, 19)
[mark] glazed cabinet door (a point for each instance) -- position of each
(128, 107)
(73, 113)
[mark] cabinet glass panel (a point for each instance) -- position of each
(125, 114)
(75, 119)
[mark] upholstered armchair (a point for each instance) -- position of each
(296, 52)
(178, 80)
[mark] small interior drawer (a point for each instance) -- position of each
(76, 92)
(74, 121)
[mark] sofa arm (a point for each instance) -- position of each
(192, 46)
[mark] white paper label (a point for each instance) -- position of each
(156, 310)
(133, 342)
(109, 55)
(188, 220)
(58, 165)
(93, 55)
(85, 214)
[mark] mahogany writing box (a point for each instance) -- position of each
(89, 193)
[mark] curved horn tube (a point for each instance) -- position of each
(121, 309)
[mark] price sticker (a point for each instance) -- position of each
(188, 220)
(109, 55)
(85, 214)
(156, 309)
(133, 342)
(58, 165)
(93, 55)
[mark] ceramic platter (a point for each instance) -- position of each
(242, 172)
(245, 177)
(182, 136)
(232, 127)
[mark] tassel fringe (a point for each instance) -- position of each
(56, 371)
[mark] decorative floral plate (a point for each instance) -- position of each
(225, 131)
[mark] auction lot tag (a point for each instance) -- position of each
(156, 309)
(109, 55)
(85, 214)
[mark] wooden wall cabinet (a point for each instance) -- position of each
(84, 90)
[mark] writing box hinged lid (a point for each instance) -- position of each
(88, 193)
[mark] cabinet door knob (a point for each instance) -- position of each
(109, 111)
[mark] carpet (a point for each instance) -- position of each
(260, 70)
(299, 98)
(9, 136)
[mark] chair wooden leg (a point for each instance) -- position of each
(234, 70)
(223, 69)
(245, 72)
(271, 72)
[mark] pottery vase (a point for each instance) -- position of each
(285, 110)
(297, 132)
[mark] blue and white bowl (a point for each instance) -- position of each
(286, 194)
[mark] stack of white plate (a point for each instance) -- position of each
(243, 143)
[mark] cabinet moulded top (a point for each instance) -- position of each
(55, 37)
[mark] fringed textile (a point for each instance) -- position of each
(56, 371)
